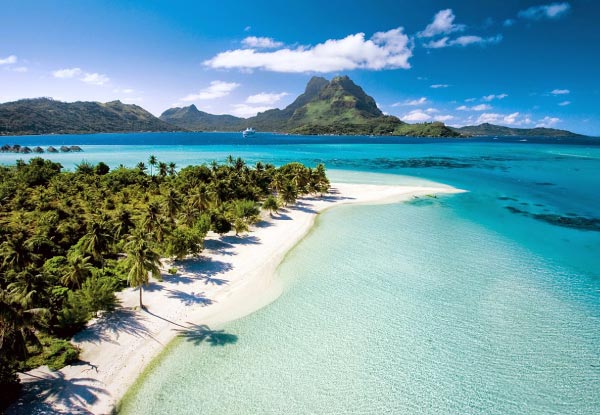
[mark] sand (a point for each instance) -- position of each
(234, 276)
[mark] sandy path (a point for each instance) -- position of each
(233, 277)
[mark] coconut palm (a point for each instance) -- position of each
(270, 204)
(77, 271)
(97, 239)
(152, 162)
(162, 169)
(142, 262)
(172, 167)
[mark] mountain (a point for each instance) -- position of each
(47, 116)
(338, 106)
(190, 118)
(487, 129)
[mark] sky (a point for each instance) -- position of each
(509, 62)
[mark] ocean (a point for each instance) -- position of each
(485, 302)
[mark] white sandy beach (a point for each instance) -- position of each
(233, 277)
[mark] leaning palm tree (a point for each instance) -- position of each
(142, 262)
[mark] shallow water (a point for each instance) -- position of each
(482, 302)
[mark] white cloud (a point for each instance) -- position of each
(261, 42)
(95, 78)
(491, 97)
(564, 103)
(470, 99)
(431, 110)
(442, 24)
(416, 116)
(9, 60)
(265, 98)
(436, 86)
(411, 102)
(443, 118)
(560, 92)
(216, 89)
(480, 107)
(548, 11)
(514, 119)
(67, 73)
(547, 122)
(508, 22)
(384, 50)
(463, 41)
(245, 111)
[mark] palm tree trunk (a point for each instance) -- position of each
(141, 306)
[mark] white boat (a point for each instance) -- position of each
(248, 132)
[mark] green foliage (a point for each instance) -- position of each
(56, 353)
(172, 271)
(433, 129)
(70, 240)
(47, 116)
(270, 204)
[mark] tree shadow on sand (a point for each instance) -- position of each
(111, 325)
(199, 334)
(189, 298)
(42, 394)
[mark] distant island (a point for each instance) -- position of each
(336, 107)
(48, 116)
(487, 130)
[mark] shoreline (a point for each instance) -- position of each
(233, 277)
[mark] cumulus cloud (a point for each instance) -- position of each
(87, 77)
(9, 60)
(67, 73)
(261, 42)
(462, 108)
(265, 98)
(245, 110)
(216, 89)
(384, 50)
(560, 92)
(548, 122)
(431, 110)
(437, 86)
(492, 97)
(564, 103)
(442, 24)
(513, 119)
(95, 78)
(416, 116)
(547, 11)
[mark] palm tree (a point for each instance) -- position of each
(77, 271)
(270, 204)
(17, 326)
(289, 193)
(28, 288)
(97, 240)
(152, 161)
(141, 166)
(15, 252)
(172, 167)
(162, 169)
(142, 262)
(172, 204)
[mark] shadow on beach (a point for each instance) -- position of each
(52, 389)
(112, 324)
(199, 334)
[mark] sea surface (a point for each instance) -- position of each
(485, 302)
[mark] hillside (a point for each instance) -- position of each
(47, 116)
(487, 129)
(338, 106)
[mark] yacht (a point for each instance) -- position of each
(248, 132)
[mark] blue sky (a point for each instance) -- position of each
(509, 62)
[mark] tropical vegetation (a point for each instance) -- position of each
(70, 239)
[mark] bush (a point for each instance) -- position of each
(56, 353)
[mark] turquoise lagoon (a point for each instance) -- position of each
(486, 302)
